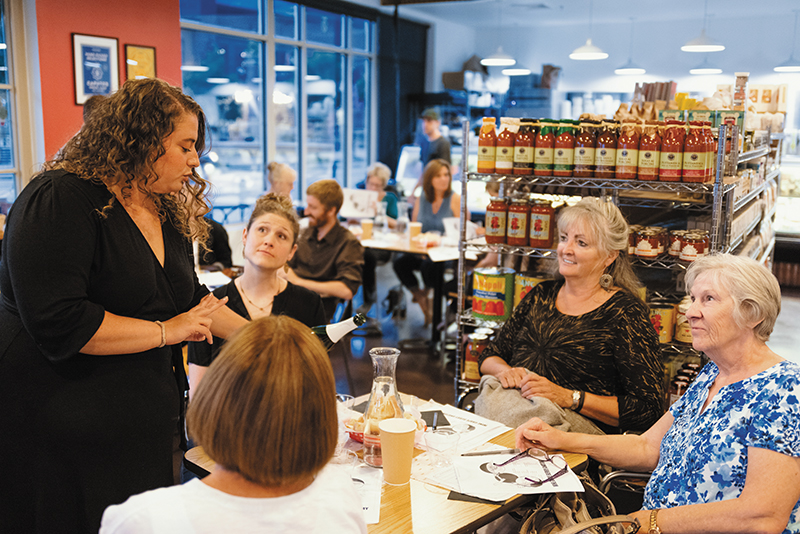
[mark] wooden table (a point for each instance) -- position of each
(421, 508)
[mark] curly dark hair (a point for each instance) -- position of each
(122, 139)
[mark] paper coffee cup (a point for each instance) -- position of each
(414, 229)
(397, 449)
(366, 228)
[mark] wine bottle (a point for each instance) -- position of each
(330, 334)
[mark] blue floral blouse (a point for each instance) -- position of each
(703, 456)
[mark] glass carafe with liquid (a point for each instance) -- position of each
(402, 217)
(381, 221)
(384, 401)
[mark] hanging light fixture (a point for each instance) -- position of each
(704, 43)
(630, 67)
(498, 59)
(588, 51)
(705, 68)
(791, 65)
(516, 71)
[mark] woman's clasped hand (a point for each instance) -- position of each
(195, 324)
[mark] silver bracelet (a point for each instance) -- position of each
(163, 333)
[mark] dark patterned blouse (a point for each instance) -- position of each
(612, 351)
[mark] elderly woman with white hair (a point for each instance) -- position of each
(725, 456)
(579, 351)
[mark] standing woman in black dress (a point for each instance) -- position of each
(98, 293)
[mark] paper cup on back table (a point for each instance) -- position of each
(414, 229)
(366, 228)
(397, 449)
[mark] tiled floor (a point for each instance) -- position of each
(420, 373)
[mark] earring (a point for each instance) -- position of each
(286, 267)
(606, 281)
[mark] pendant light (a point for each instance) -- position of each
(704, 43)
(705, 68)
(791, 65)
(517, 70)
(630, 67)
(588, 51)
(499, 58)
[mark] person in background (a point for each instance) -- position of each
(281, 178)
(437, 203)
(726, 457)
(438, 146)
(329, 258)
(255, 417)
(99, 293)
(217, 254)
(270, 241)
(579, 350)
(378, 175)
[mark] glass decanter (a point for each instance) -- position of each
(384, 401)
(402, 218)
(381, 220)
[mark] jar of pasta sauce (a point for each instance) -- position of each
(648, 244)
(518, 216)
(694, 245)
(496, 214)
(675, 237)
(663, 237)
(671, 164)
(542, 224)
(475, 345)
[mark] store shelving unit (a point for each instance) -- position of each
(714, 198)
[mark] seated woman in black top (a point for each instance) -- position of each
(270, 241)
(580, 348)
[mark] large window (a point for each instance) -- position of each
(279, 81)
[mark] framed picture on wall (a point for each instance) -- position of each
(140, 61)
(96, 64)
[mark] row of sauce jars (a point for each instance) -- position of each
(653, 241)
(609, 149)
(520, 222)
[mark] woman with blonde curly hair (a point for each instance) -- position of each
(270, 241)
(99, 294)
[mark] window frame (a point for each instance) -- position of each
(270, 41)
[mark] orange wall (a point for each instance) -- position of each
(143, 22)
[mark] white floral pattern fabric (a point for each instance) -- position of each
(703, 456)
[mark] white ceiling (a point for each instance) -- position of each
(532, 13)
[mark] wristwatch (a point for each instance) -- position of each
(576, 399)
(653, 525)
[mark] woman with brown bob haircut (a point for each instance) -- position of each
(99, 294)
(265, 412)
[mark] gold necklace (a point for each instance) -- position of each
(262, 310)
